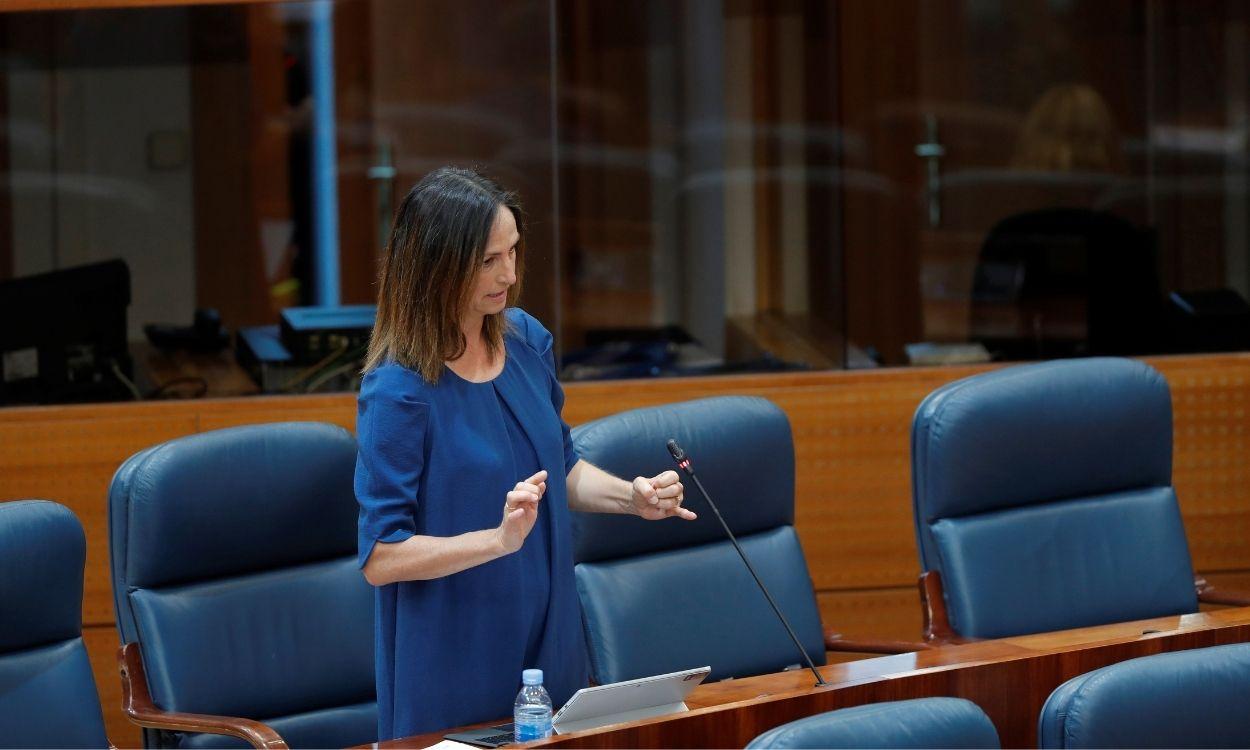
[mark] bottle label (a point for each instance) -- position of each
(531, 728)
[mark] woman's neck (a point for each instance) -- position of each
(472, 327)
(477, 363)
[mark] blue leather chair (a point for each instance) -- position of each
(919, 723)
(660, 596)
(1043, 501)
(47, 694)
(237, 591)
(1198, 698)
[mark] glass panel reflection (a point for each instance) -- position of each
(714, 186)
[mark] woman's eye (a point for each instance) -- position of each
(489, 261)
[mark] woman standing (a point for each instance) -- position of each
(466, 473)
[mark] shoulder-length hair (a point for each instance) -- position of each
(429, 268)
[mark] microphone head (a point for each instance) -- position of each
(675, 451)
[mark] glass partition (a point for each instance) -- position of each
(714, 186)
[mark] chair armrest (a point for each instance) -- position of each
(835, 642)
(1207, 594)
(139, 708)
(937, 627)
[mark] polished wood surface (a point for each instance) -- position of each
(937, 626)
(138, 706)
(1209, 593)
(1010, 679)
(853, 493)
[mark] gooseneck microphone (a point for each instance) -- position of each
(683, 462)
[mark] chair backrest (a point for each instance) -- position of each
(919, 723)
(1198, 698)
(234, 567)
(659, 596)
(1043, 496)
(47, 693)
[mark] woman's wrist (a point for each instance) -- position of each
(625, 501)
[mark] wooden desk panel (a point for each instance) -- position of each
(1009, 679)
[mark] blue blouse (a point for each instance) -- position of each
(439, 460)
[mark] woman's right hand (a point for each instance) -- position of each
(520, 511)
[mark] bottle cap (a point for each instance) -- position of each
(532, 677)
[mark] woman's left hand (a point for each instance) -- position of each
(660, 497)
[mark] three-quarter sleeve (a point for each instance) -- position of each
(390, 429)
(557, 401)
(541, 341)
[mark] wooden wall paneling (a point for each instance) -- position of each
(468, 83)
(1192, 92)
(888, 613)
(360, 239)
(343, 415)
(1229, 582)
(853, 490)
(1210, 409)
(607, 148)
(229, 268)
(766, 166)
(102, 644)
(72, 462)
(879, 82)
(276, 189)
(824, 156)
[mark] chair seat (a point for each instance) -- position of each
(334, 727)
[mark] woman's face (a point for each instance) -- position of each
(498, 269)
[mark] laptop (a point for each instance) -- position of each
(594, 707)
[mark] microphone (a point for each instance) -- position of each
(683, 463)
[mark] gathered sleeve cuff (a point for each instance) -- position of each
(391, 423)
(540, 340)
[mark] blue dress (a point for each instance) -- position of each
(439, 460)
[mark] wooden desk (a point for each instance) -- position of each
(1009, 678)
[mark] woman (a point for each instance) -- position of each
(466, 473)
(1069, 129)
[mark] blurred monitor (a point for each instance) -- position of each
(63, 336)
(1067, 282)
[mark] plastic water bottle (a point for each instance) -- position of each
(531, 714)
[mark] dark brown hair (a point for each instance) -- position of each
(431, 262)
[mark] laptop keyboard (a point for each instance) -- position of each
(504, 735)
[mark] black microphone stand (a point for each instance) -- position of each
(683, 462)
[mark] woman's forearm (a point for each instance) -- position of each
(421, 558)
(593, 490)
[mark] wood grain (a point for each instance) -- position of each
(852, 468)
(102, 644)
(1009, 679)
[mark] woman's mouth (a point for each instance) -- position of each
(497, 295)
